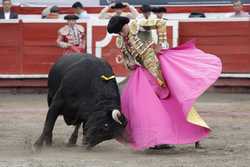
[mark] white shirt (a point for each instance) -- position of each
(84, 15)
(7, 15)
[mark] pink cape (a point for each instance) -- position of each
(152, 121)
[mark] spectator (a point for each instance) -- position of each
(118, 11)
(146, 11)
(71, 37)
(6, 13)
(238, 9)
(79, 10)
(145, 33)
(51, 12)
(159, 12)
(54, 13)
(46, 12)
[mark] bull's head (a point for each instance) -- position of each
(104, 125)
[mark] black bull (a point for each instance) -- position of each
(82, 89)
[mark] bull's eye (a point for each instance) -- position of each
(106, 125)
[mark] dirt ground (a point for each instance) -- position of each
(22, 117)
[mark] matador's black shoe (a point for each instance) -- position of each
(162, 147)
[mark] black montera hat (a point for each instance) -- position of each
(71, 17)
(116, 23)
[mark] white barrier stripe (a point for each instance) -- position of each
(60, 20)
(100, 22)
(215, 19)
(9, 21)
(119, 78)
(89, 38)
(241, 75)
(175, 25)
(17, 76)
(101, 44)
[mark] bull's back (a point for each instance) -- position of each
(81, 76)
(78, 67)
(57, 72)
(81, 85)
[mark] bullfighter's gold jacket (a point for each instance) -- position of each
(138, 52)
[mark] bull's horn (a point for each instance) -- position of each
(115, 115)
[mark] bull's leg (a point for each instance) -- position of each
(74, 136)
(84, 142)
(51, 117)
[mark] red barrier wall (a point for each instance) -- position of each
(10, 55)
(30, 48)
(228, 40)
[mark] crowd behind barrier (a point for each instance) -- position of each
(29, 46)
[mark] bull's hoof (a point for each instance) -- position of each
(38, 143)
(89, 148)
(48, 140)
(70, 144)
(48, 143)
(198, 145)
(84, 141)
(37, 146)
(72, 141)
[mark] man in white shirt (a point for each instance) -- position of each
(238, 9)
(6, 13)
(118, 10)
(79, 11)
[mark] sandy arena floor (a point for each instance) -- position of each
(22, 118)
